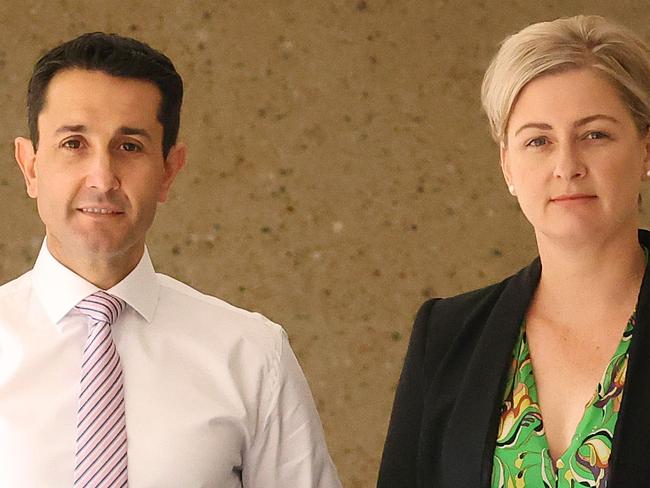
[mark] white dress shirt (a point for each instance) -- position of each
(214, 395)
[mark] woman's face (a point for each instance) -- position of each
(575, 157)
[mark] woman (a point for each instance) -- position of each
(543, 380)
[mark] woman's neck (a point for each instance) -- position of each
(592, 279)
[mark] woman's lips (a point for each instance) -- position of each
(573, 197)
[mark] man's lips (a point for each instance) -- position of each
(573, 196)
(100, 210)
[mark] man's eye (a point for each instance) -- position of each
(72, 144)
(129, 147)
(537, 142)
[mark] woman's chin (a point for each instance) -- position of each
(579, 231)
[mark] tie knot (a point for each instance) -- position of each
(101, 307)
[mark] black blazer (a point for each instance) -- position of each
(443, 428)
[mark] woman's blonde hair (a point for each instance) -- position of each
(564, 44)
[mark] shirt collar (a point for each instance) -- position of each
(59, 289)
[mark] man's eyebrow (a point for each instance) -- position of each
(71, 128)
(578, 123)
(124, 130)
(134, 131)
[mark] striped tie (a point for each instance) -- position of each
(100, 459)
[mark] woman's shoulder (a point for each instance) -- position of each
(448, 316)
(465, 304)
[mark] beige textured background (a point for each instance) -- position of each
(340, 169)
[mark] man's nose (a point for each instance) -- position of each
(101, 172)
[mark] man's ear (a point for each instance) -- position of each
(26, 158)
(174, 161)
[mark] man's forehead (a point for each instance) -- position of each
(98, 76)
(87, 99)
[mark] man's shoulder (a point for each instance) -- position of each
(213, 312)
(16, 286)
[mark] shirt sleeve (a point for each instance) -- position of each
(289, 448)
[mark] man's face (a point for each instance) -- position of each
(99, 171)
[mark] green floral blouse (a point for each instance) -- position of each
(522, 457)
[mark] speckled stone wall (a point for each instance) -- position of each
(340, 170)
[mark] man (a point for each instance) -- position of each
(110, 373)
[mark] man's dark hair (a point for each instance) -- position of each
(117, 56)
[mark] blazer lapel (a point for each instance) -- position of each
(631, 446)
(472, 427)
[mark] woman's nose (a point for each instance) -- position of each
(568, 162)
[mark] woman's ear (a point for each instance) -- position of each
(646, 156)
(505, 167)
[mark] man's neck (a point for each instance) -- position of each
(102, 270)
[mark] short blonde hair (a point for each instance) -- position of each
(565, 44)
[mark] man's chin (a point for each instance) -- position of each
(98, 246)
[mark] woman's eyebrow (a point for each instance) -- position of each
(591, 118)
(577, 123)
(534, 125)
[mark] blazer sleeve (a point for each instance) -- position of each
(398, 467)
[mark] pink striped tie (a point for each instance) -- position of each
(100, 459)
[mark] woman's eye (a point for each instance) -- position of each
(596, 135)
(72, 144)
(537, 142)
